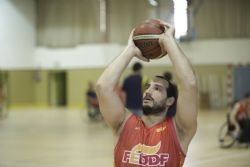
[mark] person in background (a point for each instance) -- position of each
(132, 88)
(92, 103)
(1, 99)
(1, 93)
(1, 96)
(119, 92)
(240, 119)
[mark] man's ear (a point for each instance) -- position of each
(170, 101)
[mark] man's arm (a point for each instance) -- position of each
(111, 106)
(232, 118)
(187, 107)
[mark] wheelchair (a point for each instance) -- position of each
(227, 138)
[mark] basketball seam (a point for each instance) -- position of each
(152, 36)
(152, 51)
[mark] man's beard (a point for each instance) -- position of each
(155, 109)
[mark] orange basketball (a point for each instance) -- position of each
(146, 38)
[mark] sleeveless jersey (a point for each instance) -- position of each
(156, 146)
(242, 112)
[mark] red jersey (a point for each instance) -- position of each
(139, 145)
(242, 112)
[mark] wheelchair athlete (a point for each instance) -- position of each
(240, 119)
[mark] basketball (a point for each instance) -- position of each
(146, 38)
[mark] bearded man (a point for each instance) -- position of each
(154, 139)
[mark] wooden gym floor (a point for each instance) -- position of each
(61, 138)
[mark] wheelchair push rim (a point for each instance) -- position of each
(226, 138)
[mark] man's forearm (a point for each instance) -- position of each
(234, 122)
(184, 72)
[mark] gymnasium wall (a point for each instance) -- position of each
(18, 45)
(41, 88)
(21, 88)
(17, 34)
(31, 88)
(28, 66)
(213, 51)
(211, 79)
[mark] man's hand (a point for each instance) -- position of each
(166, 36)
(169, 29)
(135, 51)
(236, 133)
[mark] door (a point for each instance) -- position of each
(58, 89)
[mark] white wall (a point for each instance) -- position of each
(18, 49)
(232, 51)
(17, 33)
(219, 51)
(90, 55)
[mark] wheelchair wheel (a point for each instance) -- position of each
(226, 137)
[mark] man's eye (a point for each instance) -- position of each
(157, 88)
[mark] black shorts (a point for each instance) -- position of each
(245, 127)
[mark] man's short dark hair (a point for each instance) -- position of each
(247, 95)
(137, 67)
(172, 91)
(168, 75)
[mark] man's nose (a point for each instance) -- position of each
(147, 94)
